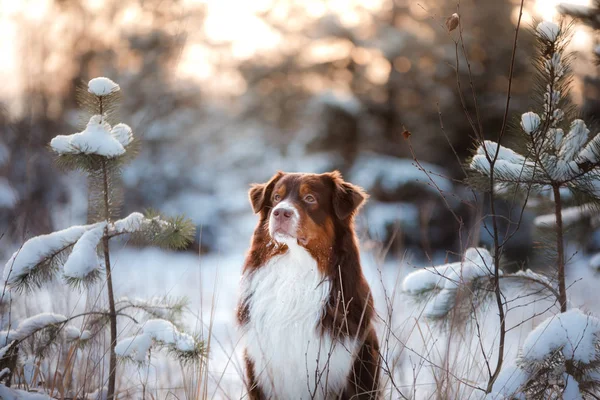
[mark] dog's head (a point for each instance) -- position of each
(306, 208)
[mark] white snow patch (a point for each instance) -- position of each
(393, 173)
(85, 335)
(98, 394)
(573, 331)
(595, 261)
(71, 332)
(31, 325)
(509, 382)
(8, 195)
(530, 121)
(570, 215)
(591, 152)
(38, 248)
(96, 138)
(102, 86)
(573, 141)
(159, 330)
(14, 394)
(344, 101)
(442, 281)
(123, 133)
(4, 349)
(571, 391)
(132, 223)
(548, 30)
(84, 258)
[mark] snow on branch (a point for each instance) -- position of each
(83, 261)
(572, 332)
(102, 86)
(548, 30)
(169, 309)
(97, 138)
(31, 325)
(130, 224)
(167, 232)
(40, 256)
(163, 334)
(439, 285)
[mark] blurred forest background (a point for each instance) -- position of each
(225, 92)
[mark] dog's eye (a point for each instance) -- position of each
(309, 198)
(276, 197)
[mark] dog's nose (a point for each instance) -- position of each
(283, 213)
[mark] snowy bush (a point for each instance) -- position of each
(80, 255)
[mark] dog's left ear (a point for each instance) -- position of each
(260, 193)
(347, 198)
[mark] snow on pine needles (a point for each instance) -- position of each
(438, 285)
(73, 253)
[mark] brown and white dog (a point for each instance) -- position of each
(306, 310)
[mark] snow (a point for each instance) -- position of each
(573, 331)
(591, 152)
(380, 216)
(31, 325)
(14, 394)
(155, 305)
(530, 121)
(426, 279)
(39, 248)
(571, 391)
(8, 195)
(132, 223)
(573, 141)
(96, 138)
(509, 164)
(443, 281)
(102, 86)
(570, 215)
(343, 101)
(159, 330)
(394, 173)
(84, 258)
(98, 394)
(595, 261)
(504, 153)
(71, 332)
(508, 383)
(122, 132)
(135, 347)
(548, 30)
(4, 349)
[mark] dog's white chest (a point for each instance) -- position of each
(292, 360)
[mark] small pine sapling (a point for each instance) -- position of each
(80, 255)
(557, 162)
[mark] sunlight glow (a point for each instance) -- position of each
(546, 9)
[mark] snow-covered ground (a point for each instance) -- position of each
(413, 346)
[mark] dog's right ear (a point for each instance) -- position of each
(260, 193)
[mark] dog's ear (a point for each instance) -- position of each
(347, 198)
(260, 193)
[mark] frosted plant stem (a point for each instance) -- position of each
(111, 297)
(562, 290)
